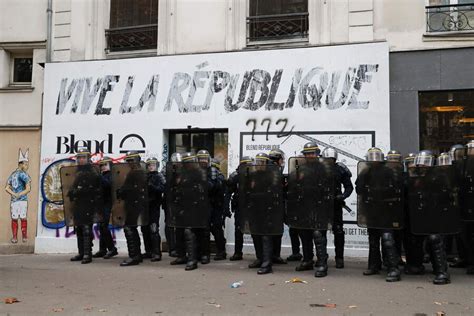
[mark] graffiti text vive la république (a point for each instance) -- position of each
(257, 89)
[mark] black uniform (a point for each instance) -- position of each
(376, 236)
(218, 213)
(151, 233)
(343, 178)
(107, 248)
(232, 198)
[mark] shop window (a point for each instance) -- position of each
(446, 118)
(449, 16)
(133, 25)
(21, 69)
(277, 20)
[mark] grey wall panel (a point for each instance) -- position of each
(404, 124)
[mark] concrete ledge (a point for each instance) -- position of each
(10, 249)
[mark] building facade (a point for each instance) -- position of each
(428, 47)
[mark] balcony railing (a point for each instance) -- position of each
(277, 27)
(132, 38)
(450, 18)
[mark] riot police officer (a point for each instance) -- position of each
(395, 156)
(435, 242)
(84, 233)
(413, 243)
(263, 243)
(388, 243)
(126, 192)
(177, 234)
(343, 178)
(310, 150)
(156, 187)
(107, 248)
(277, 156)
(232, 199)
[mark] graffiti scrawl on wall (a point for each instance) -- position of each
(18, 186)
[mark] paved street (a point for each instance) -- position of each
(50, 284)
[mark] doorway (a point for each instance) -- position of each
(194, 139)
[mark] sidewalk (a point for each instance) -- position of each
(50, 284)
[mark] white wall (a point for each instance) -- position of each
(23, 21)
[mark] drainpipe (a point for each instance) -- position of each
(49, 31)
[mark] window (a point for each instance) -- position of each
(133, 25)
(22, 70)
(449, 16)
(277, 20)
(446, 118)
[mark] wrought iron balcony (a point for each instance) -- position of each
(277, 27)
(132, 38)
(450, 18)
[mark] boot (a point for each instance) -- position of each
(414, 270)
(102, 248)
(180, 247)
(307, 243)
(204, 238)
(156, 242)
(339, 248)
(87, 233)
(238, 245)
(171, 241)
(276, 246)
(392, 257)
(191, 249)
(258, 244)
(133, 245)
(305, 265)
(146, 233)
(375, 260)
(295, 246)
(111, 253)
(321, 265)
(268, 253)
(80, 244)
(439, 260)
(220, 243)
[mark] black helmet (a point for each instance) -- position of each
(394, 155)
(311, 147)
(374, 154)
(189, 157)
(261, 159)
(329, 152)
(83, 152)
(425, 158)
(246, 160)
(470, 148)
(456, 152)
(203, 154)
(176, 157)
(276, 154)
(133, 156)
(153, 160)
(444, 159)
(216, 163)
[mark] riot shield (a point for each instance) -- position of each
(380, 199)
(261, 199)
(433, 200)
(187, 195)
(129, 195)
(311, 186)
(82, 195)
